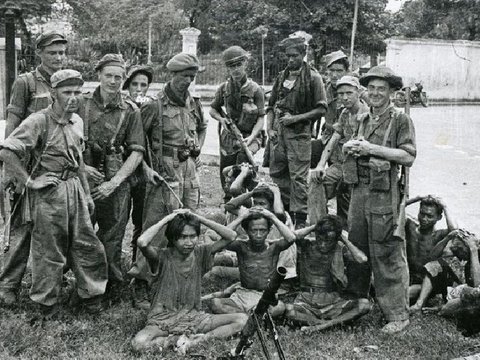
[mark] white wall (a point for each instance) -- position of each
(449, 70)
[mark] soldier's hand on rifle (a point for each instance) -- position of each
(104, 190)
(287, 119)
(152, 176)
(358, 147)
(94, 175)
(43, 181)
(225, 122)
(318, 174)
(272, 135)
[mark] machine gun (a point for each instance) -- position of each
(254, 323)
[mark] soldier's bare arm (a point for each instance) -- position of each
(319, 172)
(86, 187)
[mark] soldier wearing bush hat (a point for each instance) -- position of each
(175, 129)
(244, 102)
(383, 143)
(31, 92)
(114, 148)
(59, 186)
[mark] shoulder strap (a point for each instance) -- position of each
(31, 82)
(361, 127)
(88, 105)
(119, 126)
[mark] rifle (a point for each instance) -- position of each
(404, 186)
(7, 198)
(253, 323)
(230, 126)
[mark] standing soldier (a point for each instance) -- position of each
(62, 233)
(30, 93)
(114, 148)
(137, 83)
(385, 140)
(330, 179)
(244, 102)
(297, 99)
(337, 66)
(176, 129)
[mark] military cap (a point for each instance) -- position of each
(66, 77)
(334, 57)
(183, 61)
(48, 38)
(295, 42)
(382, 72)
(138, 69)
(348, 80)
(110, 60)
(233, 55)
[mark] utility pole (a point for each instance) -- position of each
(10, 12)
(354, 31)
(149, 58)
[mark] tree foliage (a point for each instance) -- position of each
(442, 19)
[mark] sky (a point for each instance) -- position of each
(394, 5)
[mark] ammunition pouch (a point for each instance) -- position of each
(350, 170)
(379, 174)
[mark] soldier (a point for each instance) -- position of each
(337, 66)
(114, 148)
(385, 139)
(330, 179)
(176, 129)
(61, 205)
(30, 93)
(137, 83)
(244, 102)
(297, 99)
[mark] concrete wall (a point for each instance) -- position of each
(448, 69)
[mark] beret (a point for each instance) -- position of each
(334, 57)
(48, 38)
(348, 80)
(234, 55)
(384, 73)
(138, 69)
(110, 60)
(66, 77)
(183, 61)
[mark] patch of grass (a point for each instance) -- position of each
(108, 335)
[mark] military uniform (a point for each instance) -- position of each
(375, 199)
(235, 98)
(30, 94)
(101, 123)
(290, 156)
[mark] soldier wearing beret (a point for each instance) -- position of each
(384, 141)
(114, 148)
(297, 99)
(138, 81)
(176, 129)
(244, 102)
(59, 197)
(30, 93)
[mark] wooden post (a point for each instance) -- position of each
(354, 31)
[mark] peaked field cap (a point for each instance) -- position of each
(66, 77)
(334, 56)
(384, 73)
(234, 54)
(48, 38)
(110, 60)
(349, 80)
(183, 61)
(138, 69)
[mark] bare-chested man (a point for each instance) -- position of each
(257, 261)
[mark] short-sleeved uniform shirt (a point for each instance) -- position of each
(30, 93)
(101, 122)
(236, 96)
(59, 142)
(179, 124)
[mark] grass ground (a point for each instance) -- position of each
(108, 335)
